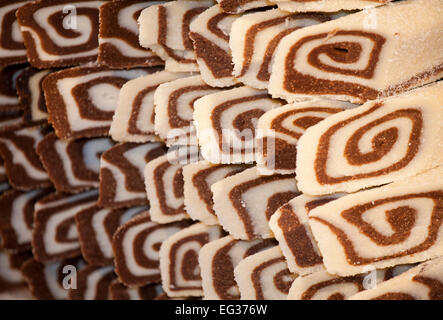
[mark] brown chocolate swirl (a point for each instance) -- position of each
(356, 281)
(281, 279)
(381, 144)
(346, 52)
(92, 283)
(402, 219)
(11, 263)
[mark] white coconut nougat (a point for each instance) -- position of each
(264, 276)
(134, 116)
(174, 107)
(377, 143)
(164, 28)
(245, 202)
(226, 123)
(327, 5)
(279, 130)
(423, 282)
(254, 38)
(396, 224)
(362, 56)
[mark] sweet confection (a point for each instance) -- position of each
(289, 224)
(198, 179)
(164, 28)
(8, 90)
(50, 281)
(12, 49)
(174, 107)
(136, 246)
(118, 38)
(72, 165)
(240, 6)
(10, 275)
(423, 282)
(121, 173)
(96, 226)
(55, 234)
(10, 119)
(92, 283)
(16, 218)
(118, 291)
(164, 185)
(210, 35)
(254, 38)
(377, 143)
(245, 201)
(226, 123)
(395, 224)
(362, 56)
(60, 33)
(134, 116)
(278, 131)
(264, 276)
(327, 5)
(180, 271)
(217, 260)
(21, 162)
(321, 285)
(30, 94)
(81, 101)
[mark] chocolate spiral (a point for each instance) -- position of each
(69, 46)
(92, 283)
(55, 234)
(136, 246)
(296, 80)
(382, 143)
(401, 217)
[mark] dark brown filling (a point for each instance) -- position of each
(281, 284)
(309, 293)
(177, 188)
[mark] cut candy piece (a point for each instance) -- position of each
(396, 224)
(121, 173)
(164, 185)
(118, 39)
(239, 6)
(264, 276)
(118, 291)
(226, 123)
(8, 90)
(81, 101)
(60, 33)
(327, 5)
(134, 116)
(136, 247)
(164, 28)
(217, 260)
(16, 218)
(245, 201)
(55, 234)
(358, 57)
(10, 120)
(12, 49)
(423, 282)
(290, 225)
(30, 93)
(174, 107)
(278, 131)
(321, 285)
(254, 38)
(198, 178)
(377, 143)
(74, 165)
(23, 166)
(180, 271)
(96, 226)
(10, 276)
(92, 283)
(50, 281)
(210, 34)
